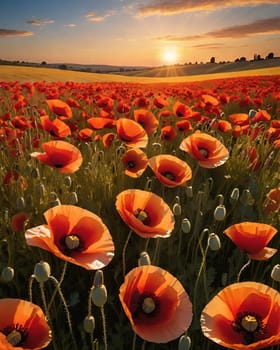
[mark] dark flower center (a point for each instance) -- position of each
(168, 175)
(58, 166)
(15, 334)
(143, 216)
(72, 243)
(204, 152)
(146, 306)
(131, 164)
(249, 325)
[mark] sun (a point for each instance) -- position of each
(169, 55)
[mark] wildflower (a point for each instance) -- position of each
(131, 133)
(206, 149)
(55, 127)
(145, 213)
(272, 201)
(170, 170)
(147, 119)
(60, 108)
(135, 162)
(155, 303)
(168, 133)
(18, 221)
(61, 155)
(22, 325)
(243, 316)
(252, 237)
(75, 235)
(181, 110)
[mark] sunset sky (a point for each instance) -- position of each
(150, 32)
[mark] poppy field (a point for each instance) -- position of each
(140, 216)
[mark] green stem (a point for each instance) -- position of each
(242, 269)
(104, 328)
(58, 284)
(30, 284)
(134, 341)
(124, 251)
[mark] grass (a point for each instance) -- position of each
(31, 74)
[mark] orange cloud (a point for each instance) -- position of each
(164, 7)
(13, 32)
(261, 26)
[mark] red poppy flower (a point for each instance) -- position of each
(135, 162)
(168, 133)
(170, 170)
(181, 110)
(145, 213)
(61, 155)
(160, 102)
(98, 123)
(261, 116)
(272, 201)
(209, 100)
(22, 325)
(18, 220)
(85, 135)
(184, 125)
(75, 235)
(243, 316)
(147, 119)
(108, 139)
(55, 127)
(252, 237)
(206, 149)
(60, 108)
(155, 303)
(131, 133)
(239, 119)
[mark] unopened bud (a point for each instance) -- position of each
(252, 113)
(54, 203)
(35, 174)
(144, 259)
(177, 209)
(220, 213)
(7, 274)
(245, 197)
(275, 273)
(67, 181)
(214, 242)
(234, 196)
(220, 199)
(89, 324)
(42, 271)
(186, 225)
(73, 198)
(99, 295)
(148, 184)
(184, 342)
(98, 278)
(20, 203)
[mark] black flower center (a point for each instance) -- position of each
(143, 216)
(249, 325)
(131, 164)
(204, 152)
(58, 166)
(168, 175)
(15, 334)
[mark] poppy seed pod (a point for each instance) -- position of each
(98, 278)
(186, 225)
(144, 259)
(214, 242)
(220, 213)
(89, 324)
(42, 271)
(20, 203)
(234, 196)
(7, 274)
(99, 295)
(184, 342)
(177, 209)
(67, 181)
(73, 198)
(275, 273)
(189, 191)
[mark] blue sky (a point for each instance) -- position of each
(150, 32)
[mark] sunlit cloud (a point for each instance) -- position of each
(209, 46)
(97, 19)
(164, 7)
(93, 17)
(261, 26)
(40, 21)
(70, 25)
(13, 32)
(89, 14)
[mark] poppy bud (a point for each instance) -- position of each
(189, 191)
(144, 259)
(68, 181)
(214, 242)
(98, 278)
(99, 295)
(245, 196)
(7, 274)
(120, 150)
(40, 190)
(275, 273)
(148, 184)
(89, 324)
(73, 198)
(220, 213)
(177, 209)
(184, 342)
(234, 196)
(35, 174)
(252, 113)
(54, 203)
(186, 225)
(220, 198)
(42, 271)
(20, 203)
